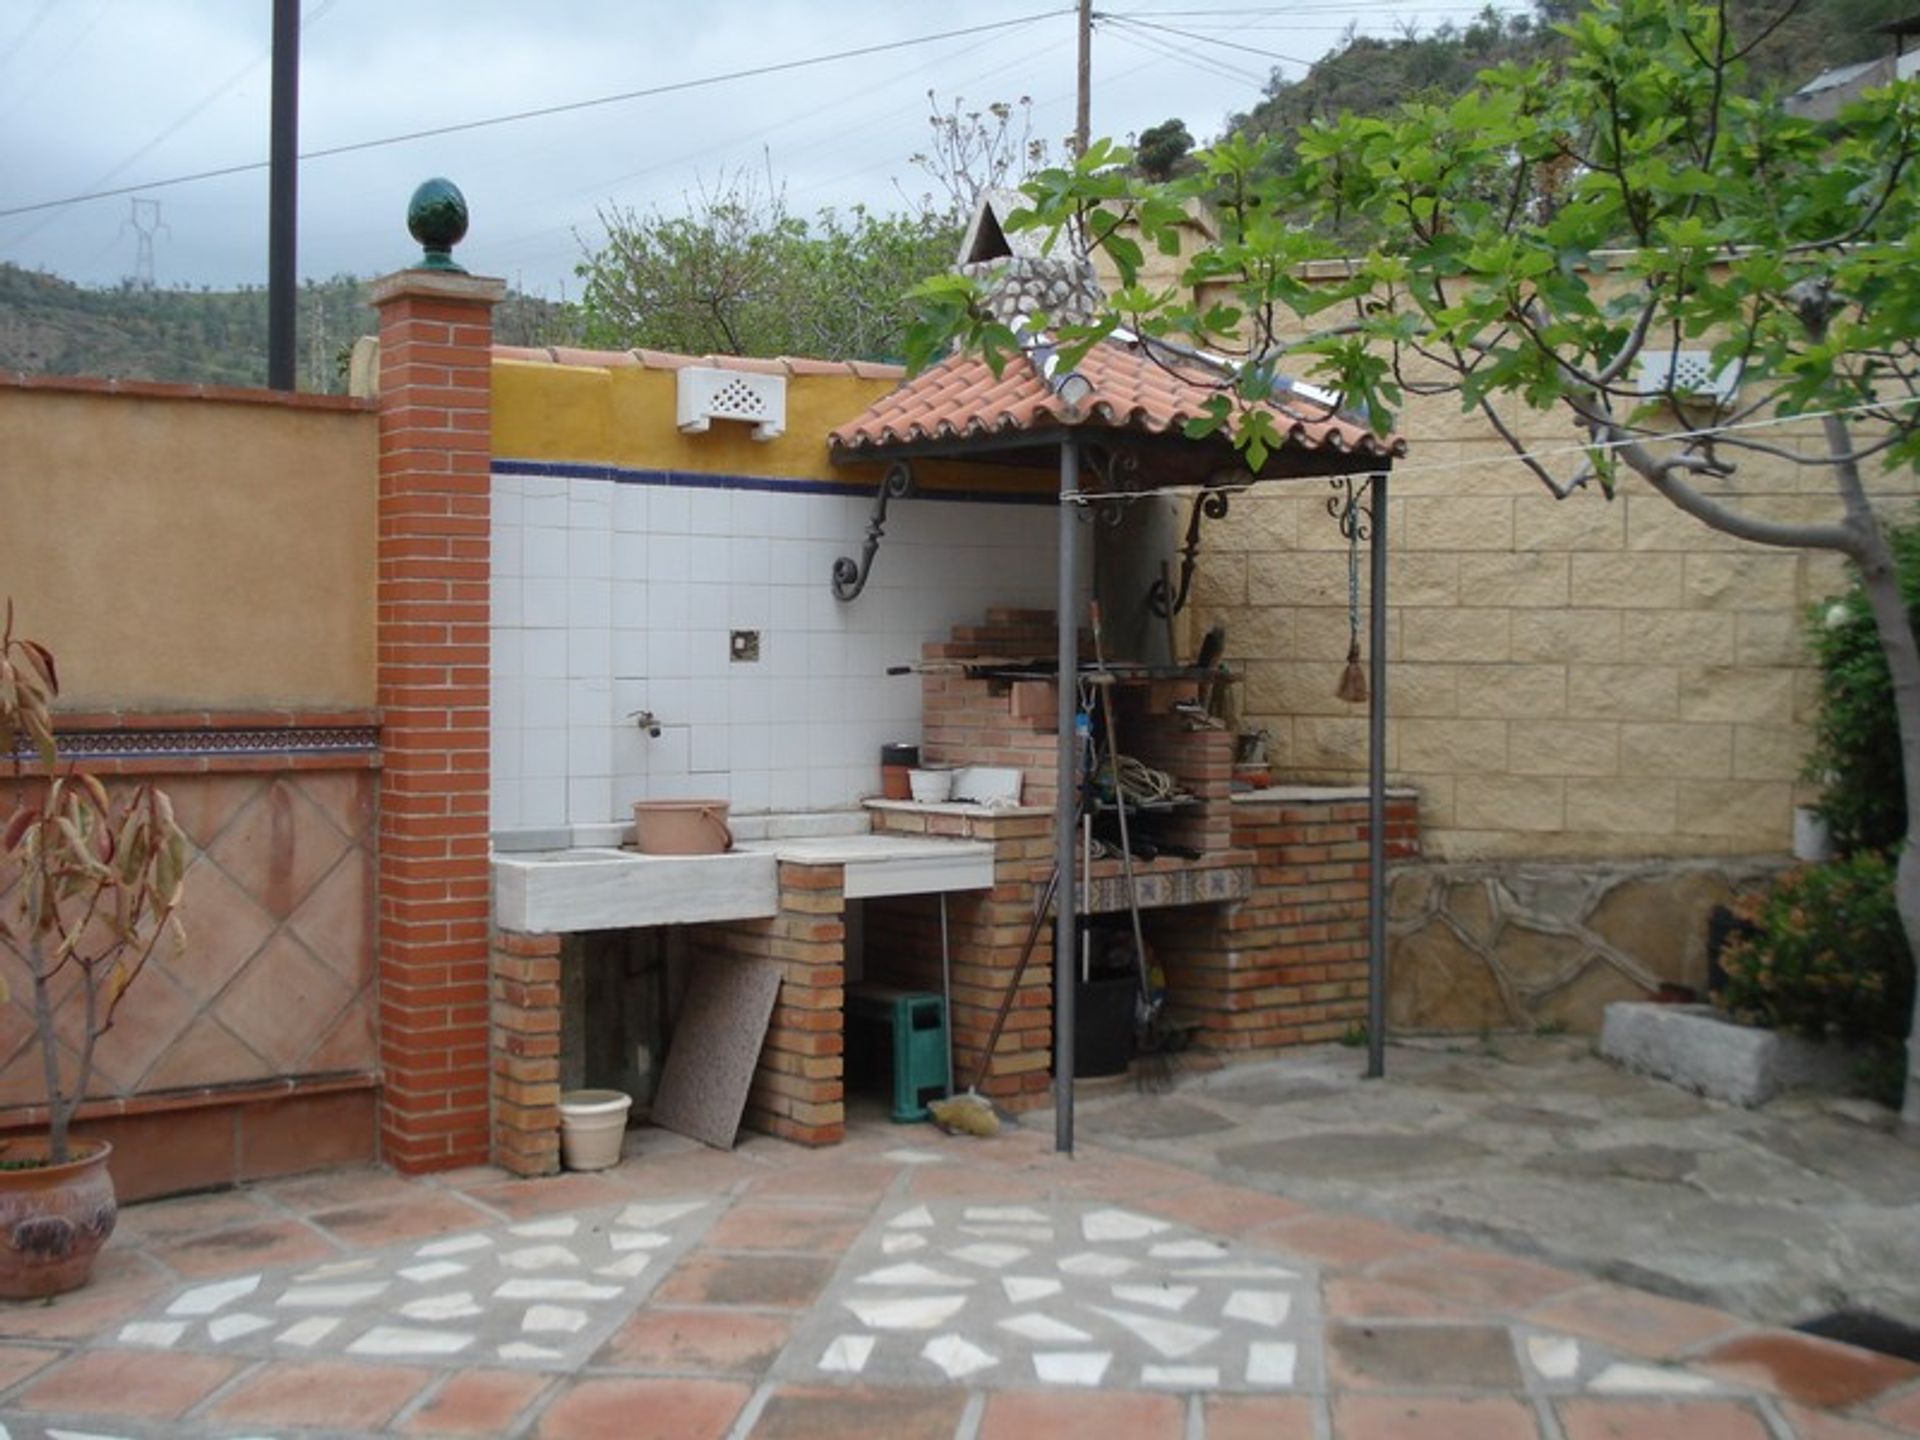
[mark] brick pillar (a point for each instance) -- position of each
(436, 335)
(526, 1053)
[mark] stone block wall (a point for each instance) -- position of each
(1498, 946)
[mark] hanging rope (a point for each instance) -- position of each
(1346, 509)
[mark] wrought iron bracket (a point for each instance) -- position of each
(850, 576)
(1346, 508)
(1160, 600)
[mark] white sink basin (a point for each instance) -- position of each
(555, 892)
(891, 864)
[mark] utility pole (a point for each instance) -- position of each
(1083, 106)
(283, 208)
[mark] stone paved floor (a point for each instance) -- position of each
(1535, 1147)
(903, 1285)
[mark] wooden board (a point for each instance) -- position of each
(716, 1044)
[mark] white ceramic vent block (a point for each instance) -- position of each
(707, 393)
(1692, 375)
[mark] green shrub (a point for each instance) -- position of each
(1856, 738)
(1828, 955)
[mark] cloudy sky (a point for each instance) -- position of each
(104, 94)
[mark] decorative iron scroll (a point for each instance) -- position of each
(849, 575)
(1213, 505)
(1346, 508)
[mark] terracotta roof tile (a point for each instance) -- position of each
(672, 360)
(1152, 394)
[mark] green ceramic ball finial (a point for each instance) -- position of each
(437, 218)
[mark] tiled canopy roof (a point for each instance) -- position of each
(961, 399)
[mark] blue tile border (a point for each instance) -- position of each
(700, 480)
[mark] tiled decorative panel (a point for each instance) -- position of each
(615, 591)
(276, 978)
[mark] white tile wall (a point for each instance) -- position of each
(611, 597)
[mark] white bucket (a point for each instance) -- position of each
(593, 1123)
(931, 787)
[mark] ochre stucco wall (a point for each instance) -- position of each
(186, 551)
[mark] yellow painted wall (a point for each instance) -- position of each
(189, 552)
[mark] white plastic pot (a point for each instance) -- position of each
(593, 1123)
(931, 787)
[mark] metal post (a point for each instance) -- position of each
(1066, 902)
(1377, 785)
(283, 206)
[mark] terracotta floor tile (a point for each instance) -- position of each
(19, 1361)
(246, 1247)
(529, 1199)
(1223, 1209)
(1478, 1278)
(855, 1184)
(697, 1172)
(127, 1382)
(421, 1215)
(1412, 1357)
(1903, 1412)
(1589, 1419)
(777, 1282)
(1806, 1368)
(1028, 1415)
(835, 1412)
(1121, 1179)
(1343, 1241)
(157, 1220)
(1259, 1417)
(710, 1342)
(477, 1402)
(334, 1189)
(335, 1393)
(1359, 1297)
(972, 1182)
(1818, 1425)
(78, 1316)
(643, 1410)
(1359, 1417)
(785, 1227)
(1632, 1320)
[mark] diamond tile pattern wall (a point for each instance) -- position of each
(277, 975)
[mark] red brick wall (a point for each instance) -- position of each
(525, 991)
(432, 654)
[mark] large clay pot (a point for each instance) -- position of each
(53, 1218)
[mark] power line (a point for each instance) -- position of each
(1185, 55)
(568, 107)
(1209, 40)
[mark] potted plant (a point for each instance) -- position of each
(94, 882)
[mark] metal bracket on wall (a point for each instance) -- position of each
(1346, 508)
(849, 575)
(1213, 505)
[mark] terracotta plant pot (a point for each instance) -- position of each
(53, 1218)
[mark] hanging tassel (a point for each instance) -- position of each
(1353, 680)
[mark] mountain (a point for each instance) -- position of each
(52, 326)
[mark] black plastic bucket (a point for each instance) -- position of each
(1103, 1026)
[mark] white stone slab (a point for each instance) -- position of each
(458, 1245)
(1160, 1297)
(432, 1271)
(956, 1357)
(651, 1217)
(1036, 1234)
(1700, 1049)
(309, 1332)
(231, 1327)
(563, 891)
(1188, 1250)
(1072, 1367)
(205, 1299)
(912, 1272)
(626, 1267)
(158, 1333)
(1272, 1362)
(847, 1354)
(1174, 1339)
(540, 1257)
(335, 1270)
(553, 1320)
(1101, 1226)
(989, 1254)
(520, 1350)
(556, 1229)
(1092, 1262)
(331, 1297)
(905, 1243)
(1006, 1214)
(1626, 1379)
(921, 1312)
(1556, 1357)
(1182, 1377)
(456, 1306)
(915, 1219)
(1259, 1307)
(554, 1290)
(1046, 1329)
(622, 1241)
(399, 1340)
(1023, 1289)
(913, 1157)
